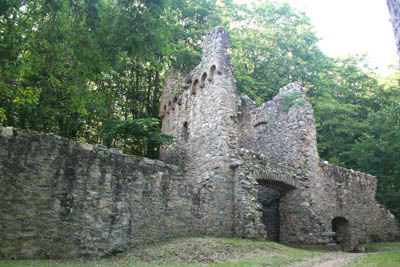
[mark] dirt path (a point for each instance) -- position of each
(330, 259)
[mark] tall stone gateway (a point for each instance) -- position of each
(255, 171)
(394, 10)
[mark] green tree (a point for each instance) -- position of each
(341, 97)
(272, 45)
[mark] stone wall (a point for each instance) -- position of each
(355, 201)
(394, 10)
(60, 198)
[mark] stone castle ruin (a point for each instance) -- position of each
(234, 153)
(235, 170)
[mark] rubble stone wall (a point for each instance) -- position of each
(355, 201)
(61, 198)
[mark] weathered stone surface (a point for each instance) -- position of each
(235, 164)
(331, 245)
(328, 234)
(203, 121)
(59, 198)
(7, 131)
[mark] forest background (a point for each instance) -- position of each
(93, 71)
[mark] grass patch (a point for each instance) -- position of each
(291, 99)
(202, 251)
(382, 254)
(222, 252)
(386, 259)
(387, 246)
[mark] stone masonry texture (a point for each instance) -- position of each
(60, 198)
(235, 169)
(394, 10)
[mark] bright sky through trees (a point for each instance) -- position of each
(352, 27)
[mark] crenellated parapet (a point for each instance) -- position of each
(215, 61)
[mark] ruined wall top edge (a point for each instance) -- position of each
(8, 132)
(215, 61)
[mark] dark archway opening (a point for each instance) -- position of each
(211, 73)
(341, 226)
(203, 80)
(194, 86)
(185, 131)
(270, 198)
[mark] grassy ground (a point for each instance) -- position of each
(381, 254)
(216, 252)
(220, 252)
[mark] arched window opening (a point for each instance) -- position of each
(179, 100)
(211, 73)
(203, 80)
(185, 131)
(174, 103)
(194, 86)
(187, 82)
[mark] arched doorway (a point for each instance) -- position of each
(341, 226)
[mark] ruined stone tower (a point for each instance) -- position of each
(200, 110)
(237, 155)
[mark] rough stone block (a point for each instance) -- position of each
(328, 234)
(331, 245)
(7, 131)
(100, 147)
(85, 146)
(236, 164)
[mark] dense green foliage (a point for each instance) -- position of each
(93, 70)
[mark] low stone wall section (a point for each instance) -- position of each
(355, 201)
(61, 198)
